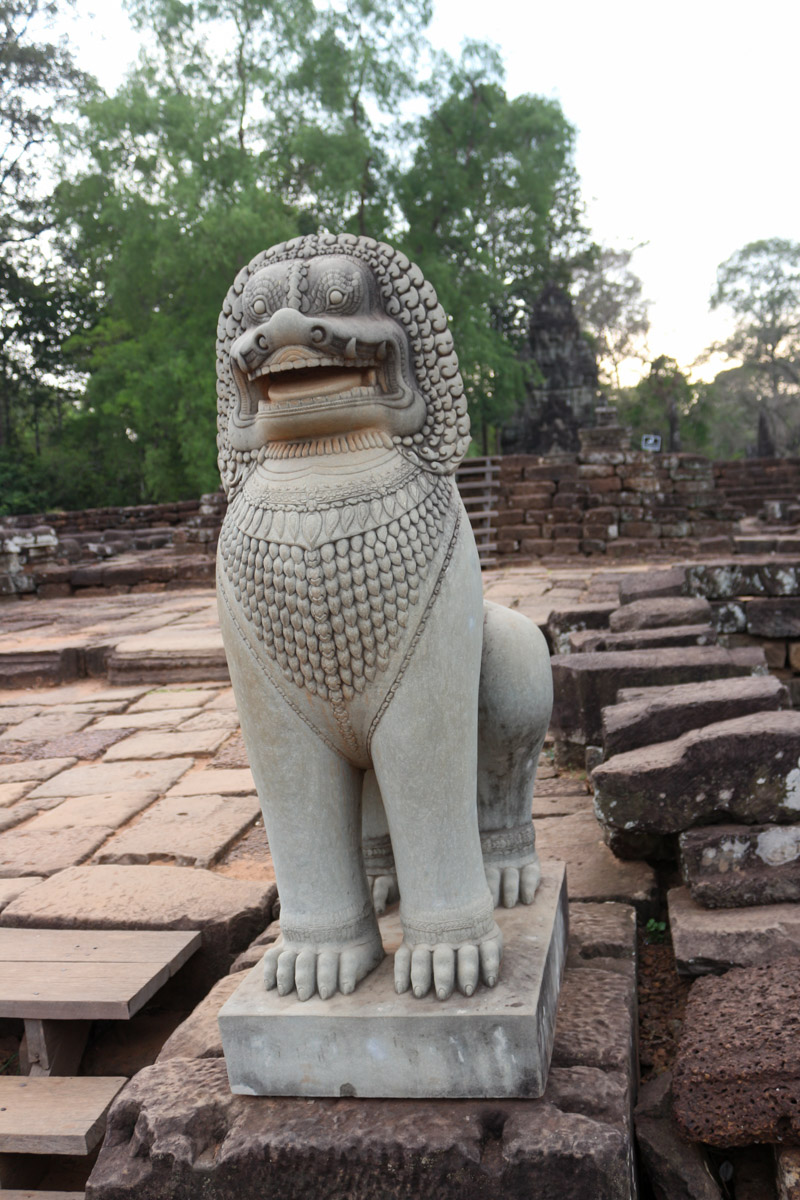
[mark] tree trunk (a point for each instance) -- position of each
(765, 446)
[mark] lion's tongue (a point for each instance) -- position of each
(320, 383)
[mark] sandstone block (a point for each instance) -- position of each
(596, 1021)
(656, 612)
(643, 639)
(108, 809)
(166, 718)
(215, 781)
(593, 872)
(46, 727)
(731, 866)
(774, 618)
(745, 770)
(736, 1078)
(721, 582)
(645, 585)
(573, 1143)
(11, 888)
(28, 851)
(715, 939)
(660, 714)
(11, 792)
(563, 621)
(93, 778)
(150, 745)
(583, 684)
(186, 831)
(230, 912)
(160, 699)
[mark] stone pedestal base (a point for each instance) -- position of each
(496, 1044)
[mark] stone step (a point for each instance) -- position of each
(643, 716)
(712, 940)
(169, 655)
(758, 577)
(584, 684)
(54, 1115)
(647, 585)
(744, 771)
(654, 612)
(642, 639)
(737, 866)
(40, 668)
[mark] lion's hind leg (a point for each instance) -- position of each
(514, 706)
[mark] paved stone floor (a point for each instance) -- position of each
(126, 801)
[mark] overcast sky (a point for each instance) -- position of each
(687, 119)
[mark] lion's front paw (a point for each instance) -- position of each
(513, 885)
(325, 969)
(448, 966)
(384, 891)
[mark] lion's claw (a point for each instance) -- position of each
(447, 967)
(321, 969)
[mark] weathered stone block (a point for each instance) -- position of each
(660, 714)
(737, 1078)
(593, 873)
(650, 584)
(192, 1134)
(564, 621)
(712, 940)
(656, 612)
(583, 684)
(729, 866)
(187, 831)
(744, 770)
(743, 579)
(643, 639)
(774, 618)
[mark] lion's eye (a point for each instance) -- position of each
(259, 307)
(335, 296)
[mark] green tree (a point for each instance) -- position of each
(38, 80)
(665, 402)
(612, 309)
(492, 210)
(760, 285)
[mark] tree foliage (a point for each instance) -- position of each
(667, 403)
(244, 123)
(609, 299)
(760, 286)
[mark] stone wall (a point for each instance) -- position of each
(616, 502)
(95, 520)
(749, 482)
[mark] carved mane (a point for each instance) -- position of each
(407, 297)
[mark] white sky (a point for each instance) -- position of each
(687, 119)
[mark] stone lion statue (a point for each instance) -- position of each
(392, 719)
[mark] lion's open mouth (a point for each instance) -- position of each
(302, 376)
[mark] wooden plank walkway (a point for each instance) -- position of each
(64, 974)
(59, 1115)
(478, 481)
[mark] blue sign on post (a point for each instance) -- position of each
(652, 442)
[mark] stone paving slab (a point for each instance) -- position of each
(11, 792)
(593, 873)
(165, 698)
(27, 851)
(88, 743)
(44, 728)
(712, 940)
(92, 778)
(228, 721)
(187, 831)
(224, 700)
(165, 745)
(109, 809)
(11, 888)
(208, 781)
(12, 716)
(165, 718)
(87, 691)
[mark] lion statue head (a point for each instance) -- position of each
(327, 334)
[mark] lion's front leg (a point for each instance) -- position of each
(311, 801)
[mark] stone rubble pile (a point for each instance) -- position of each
(701, 770)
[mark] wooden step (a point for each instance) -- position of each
(16, 1194)
(66, 974)
(61, 1115)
